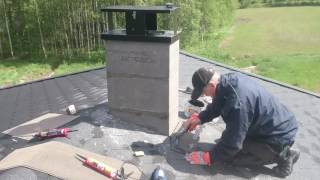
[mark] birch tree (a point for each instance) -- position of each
(7, 27)
(40, 30)
(1, 50)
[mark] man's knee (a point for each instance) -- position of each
(261, 151)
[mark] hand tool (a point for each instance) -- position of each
(52, 133)
(103, 168)
(187, 90)
(175, 137)
(193, 106)
(175, 140)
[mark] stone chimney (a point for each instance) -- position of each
(143, 68)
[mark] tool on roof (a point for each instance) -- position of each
(187, 90)
(193, 106)
(158, 174)
(175, 138)
(103, 168)
(53, 133)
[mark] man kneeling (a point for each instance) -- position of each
(259, 129)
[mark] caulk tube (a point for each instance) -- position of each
(58, 133)
(52, 133)
(101, 168)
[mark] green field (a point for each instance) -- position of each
(270, 31)
(283, 43)
(21, 70)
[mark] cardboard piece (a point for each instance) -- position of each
(60, 160)
(46, 121)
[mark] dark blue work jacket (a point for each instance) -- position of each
(249, 111)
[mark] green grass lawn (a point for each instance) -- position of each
(270, 31)
(283, 43)
(20, 70)
(299, 70)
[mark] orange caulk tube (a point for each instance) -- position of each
(99, 167)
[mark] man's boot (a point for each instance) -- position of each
(286, 160)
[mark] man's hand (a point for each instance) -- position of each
(199, 158)
(192, 122)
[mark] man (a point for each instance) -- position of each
(259, 129)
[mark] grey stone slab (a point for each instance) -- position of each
(145, 94)
(143, 81)
(138, 58)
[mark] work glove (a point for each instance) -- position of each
(199, 158)
(192, 122)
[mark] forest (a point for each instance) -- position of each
(278, 39)
(72, 27)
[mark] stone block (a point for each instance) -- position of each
(143, 80)
(138, 58)
(139, 93)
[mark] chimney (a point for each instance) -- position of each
(143, 68)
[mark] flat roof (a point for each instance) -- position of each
(101, 133)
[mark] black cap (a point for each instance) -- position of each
(199, 80)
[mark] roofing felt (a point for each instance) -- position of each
(107, 135)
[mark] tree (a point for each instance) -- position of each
(7, 27)
(73, 27)
(40, 30)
